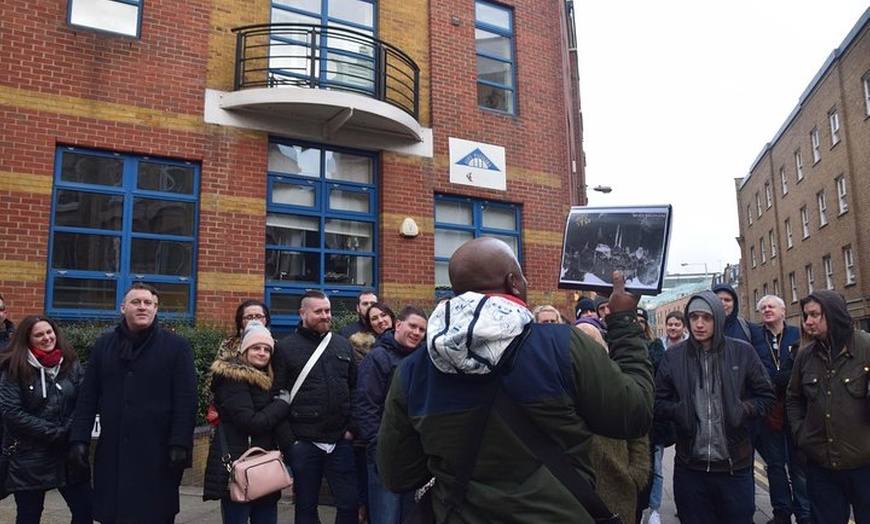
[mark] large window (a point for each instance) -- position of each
(866, 82)
(494, 45)
(842, 205)
(321, 226)
(816, 142)
(783, 179)
(805, 222)
(834, 120)
(772, 239)
(810, 280)
(458, 220)
(123, 17)
(799, 165)
(346, 62)
(829, 271)
(119, 219)
(792, 282)
(849, 262)
(789, 236)
(823, 208)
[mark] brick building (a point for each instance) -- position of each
(224, 150)
(804, 217)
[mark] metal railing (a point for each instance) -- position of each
(323, 57)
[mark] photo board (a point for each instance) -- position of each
(599, 240)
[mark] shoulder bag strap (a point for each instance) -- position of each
(550, 454)
(310, 364)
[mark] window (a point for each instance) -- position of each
(783, 179)
(123, 17)
(834, 120)
(494, 45)
(752, 255)
(762, 249)
(118, 219)
(749, 214)
(792, 281)
(841, 194)
(849, 262)
(799, 165)
(458, 220)
(866, 81)
(772, 240)
(823, 208)
(763, 291)
(805, 221)
(776, 289)
(758, 204)
(755, 296)
(809, 272)
(829, 271)
(768, 196)
(817, 145)
(789, 237)
(321, 226)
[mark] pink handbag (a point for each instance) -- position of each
(256, 474)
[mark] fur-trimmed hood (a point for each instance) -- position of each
(237, 369)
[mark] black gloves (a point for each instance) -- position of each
(179, 458)
(77, 456)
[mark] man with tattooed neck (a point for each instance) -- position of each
(828, 410)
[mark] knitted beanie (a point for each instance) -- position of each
(256, 333)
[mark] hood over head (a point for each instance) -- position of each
(715, 306)
(840, 328)
(727, 287)
(468, 334)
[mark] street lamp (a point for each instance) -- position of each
(706, 273)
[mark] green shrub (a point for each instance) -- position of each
(204, 339)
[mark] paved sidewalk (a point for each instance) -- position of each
(194, 510)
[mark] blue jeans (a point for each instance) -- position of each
(655, 492)
(386, 507)
(240, 513)
(714, 498)
(832, 491)
(79, 499)
(788, 490)
(309, 464)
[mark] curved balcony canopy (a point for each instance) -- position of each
(328, 76)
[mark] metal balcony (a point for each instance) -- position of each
(335, 77)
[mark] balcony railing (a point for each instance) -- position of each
(323, 57)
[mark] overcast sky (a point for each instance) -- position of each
(680, 96)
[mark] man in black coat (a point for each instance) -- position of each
(320, 412)
(141, 381)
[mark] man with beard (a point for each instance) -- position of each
(828, 409)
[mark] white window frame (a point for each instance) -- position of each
(810, 279)
(823, 208)
(772, 238)
(842, 205)
(799, 165)
(768, 195)
(758, 204)
(762, 250)
(752, 256)
(763, 291)
(805, 222)
(816, 142)
(849, 262)
(755, 296)
(749, 213)
(792, 280)
(776, 286)
(789, 234)
(783, 178)
(834, 120)
(118, 17)
(866, 81)
(829, 271)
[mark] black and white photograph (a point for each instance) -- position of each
(599, 240)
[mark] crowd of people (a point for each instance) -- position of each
(503, 413)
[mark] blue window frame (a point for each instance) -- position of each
(122, 17)
(118, 219)
(496, 68)
(346, 61)
(460, 219)
(321, 226)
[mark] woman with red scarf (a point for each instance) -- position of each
(40, 376)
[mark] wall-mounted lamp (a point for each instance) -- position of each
(409, 228)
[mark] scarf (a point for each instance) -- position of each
(48, 359)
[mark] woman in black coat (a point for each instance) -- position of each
(39, 385)
(249, 416)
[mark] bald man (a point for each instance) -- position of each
(557, 376)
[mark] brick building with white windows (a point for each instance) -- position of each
(804, 217)
(225, 150)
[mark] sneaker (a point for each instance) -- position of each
(654, 518)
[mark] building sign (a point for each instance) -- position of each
(477, 164)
